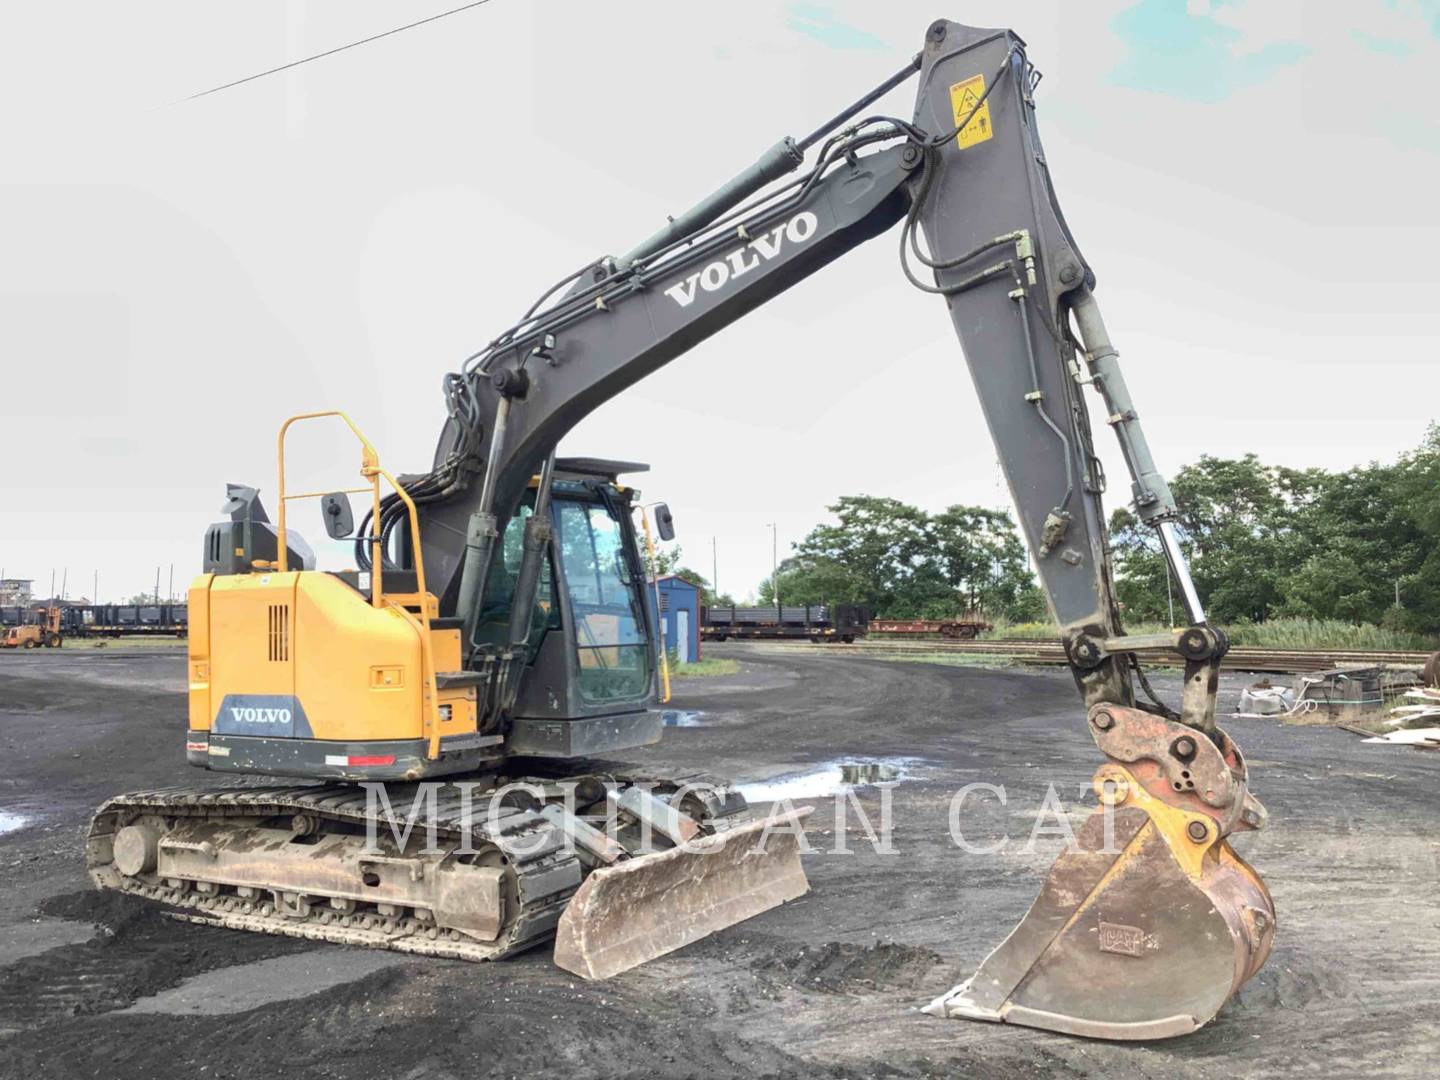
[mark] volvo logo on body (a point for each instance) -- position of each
(250, 715)
(741, 261)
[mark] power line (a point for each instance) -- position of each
(332, 52)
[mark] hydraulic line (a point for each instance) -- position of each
(481, 534)
(784, 157)
(869, 99)
(1037, 398)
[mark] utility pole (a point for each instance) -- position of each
(1169, 594)
(157, 584)
(64, 583)
(775, 568)
(715, 567)
(170, 592)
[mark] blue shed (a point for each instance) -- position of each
(679, 616)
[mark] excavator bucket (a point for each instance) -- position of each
(641, 908)
(1143, 930)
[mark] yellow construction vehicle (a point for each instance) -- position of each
(45, 631)
(445, 708)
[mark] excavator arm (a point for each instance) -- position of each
(1151, 922)
(996, 249)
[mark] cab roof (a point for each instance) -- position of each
(596, 468)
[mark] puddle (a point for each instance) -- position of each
(684, 718)
(833, 778)
(280, 978)
(10, 822)
(36, 936)
(870, 772)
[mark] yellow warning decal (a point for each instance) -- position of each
(964, 97)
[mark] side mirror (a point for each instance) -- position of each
(664, 522)
(335, 509)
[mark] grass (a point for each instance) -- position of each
(1329, 634)
(1272, 634)
(952, 659)
(704, 669)
(138, 640)
(1008, 631)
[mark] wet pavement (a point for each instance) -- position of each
(832, 778)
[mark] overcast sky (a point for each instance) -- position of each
(1254, 183)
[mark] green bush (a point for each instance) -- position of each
(1293, 633)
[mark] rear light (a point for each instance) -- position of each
(359, 761)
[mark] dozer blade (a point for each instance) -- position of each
(636, 910)
(1143, 937)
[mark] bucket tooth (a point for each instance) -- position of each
(644, 907)
(1143, 934)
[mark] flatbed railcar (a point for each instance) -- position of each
(964, 628)
(816, 622)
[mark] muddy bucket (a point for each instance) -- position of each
(1141, 934)
(641, 908)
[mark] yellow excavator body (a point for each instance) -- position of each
(305, 636)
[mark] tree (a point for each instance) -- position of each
(668, 560)
(984, 561)
(1262, 541)
(903, 563)
(1266, 541)
(1417, 487)
(868, 556)
(1232, 521)
(812, 581)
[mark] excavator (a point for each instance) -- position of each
(494, 632)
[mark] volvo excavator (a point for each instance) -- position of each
(494, 632)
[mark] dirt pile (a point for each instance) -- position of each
(838, 968)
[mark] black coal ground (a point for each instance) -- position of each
(827, 986)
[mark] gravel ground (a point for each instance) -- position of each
(94, 984)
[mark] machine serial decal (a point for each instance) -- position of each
(741, 261)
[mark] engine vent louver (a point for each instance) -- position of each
(280, 632)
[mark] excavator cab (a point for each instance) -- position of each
(354, 675)
(590, 645)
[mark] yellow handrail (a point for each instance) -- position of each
(371, 470)
(655, 584)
